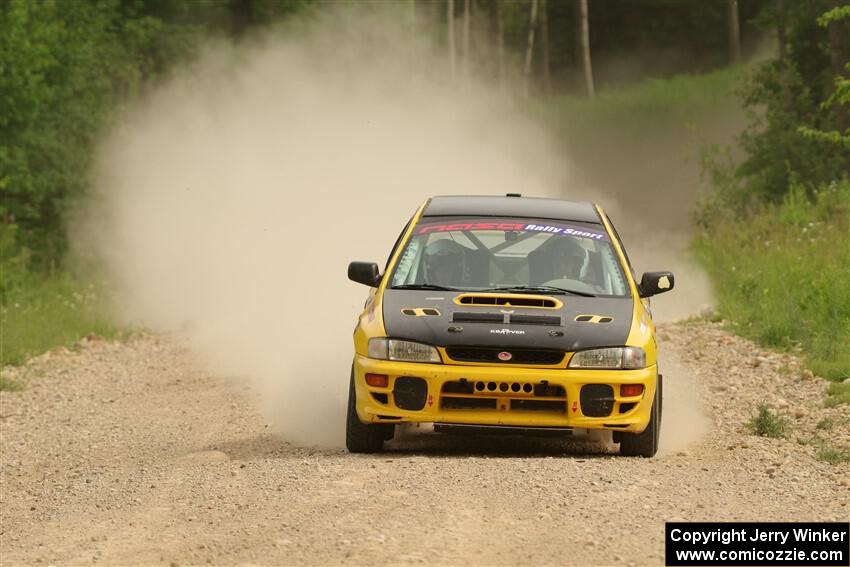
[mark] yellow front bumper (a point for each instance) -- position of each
(634, 418)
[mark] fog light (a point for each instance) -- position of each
(630, 390)
(378, 380)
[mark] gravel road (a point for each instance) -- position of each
(127, 453)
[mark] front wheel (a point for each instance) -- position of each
(363, 437)
(644, 444)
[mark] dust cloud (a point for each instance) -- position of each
(228, 203)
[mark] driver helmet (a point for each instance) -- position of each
(570, 258)
(444, 262)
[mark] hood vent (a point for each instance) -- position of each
(593, 319)
(462, 317)
(508, 300)
(420, 311)
(550, 320)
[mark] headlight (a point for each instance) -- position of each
(406, 351)
(622, 358)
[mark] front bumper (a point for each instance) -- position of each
(534, 397)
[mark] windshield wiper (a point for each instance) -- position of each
(425, 286)
(540, 289)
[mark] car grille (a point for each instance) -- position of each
(504, 396)
(518, 355)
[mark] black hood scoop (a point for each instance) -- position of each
(505, 318)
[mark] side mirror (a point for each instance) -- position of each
(653, 283)
(365, 273)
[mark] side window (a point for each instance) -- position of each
(397, 242)
(407, 267)
(623, 248)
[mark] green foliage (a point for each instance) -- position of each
(50, 311)
(834, 15)
(841, 96)
(782, 273)
(66, 67)
(767, 424)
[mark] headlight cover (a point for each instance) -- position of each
(614, 358)
(404, 351)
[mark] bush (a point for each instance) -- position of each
(767, 424)
(837, 394)
(833, 456)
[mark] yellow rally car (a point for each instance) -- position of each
(506, 312)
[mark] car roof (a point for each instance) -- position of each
(499, 206)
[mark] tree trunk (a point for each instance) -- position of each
(782, 54)
(450, 20)
(467, 17)
(733, 31)
(544, 46)
(500, 43)
(241, 15)
(839, 51)
(577, 44)
(585, 50)
(780, 32)
(529, 51)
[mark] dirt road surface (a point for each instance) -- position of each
(127, 453)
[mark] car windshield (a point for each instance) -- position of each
(510, 254)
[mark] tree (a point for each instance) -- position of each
(68, 66)
(585, 49)
(241, 14)
(790, 95)
(500, 42)
(529, 50)
(467, 17)
(450, 28)
(544, 46)
(838, 21)
(733, 31)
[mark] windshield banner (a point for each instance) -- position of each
(514, 226)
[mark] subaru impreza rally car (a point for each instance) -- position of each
(507, 312)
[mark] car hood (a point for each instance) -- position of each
(434, 318)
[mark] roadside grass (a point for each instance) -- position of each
(833, 456)
(9, 385)
(836, 394)
(767, 424)
(647, 104)
(826, 452)
(782, 277)
(47, 312)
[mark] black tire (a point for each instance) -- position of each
(644, 444)
(363, 437)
